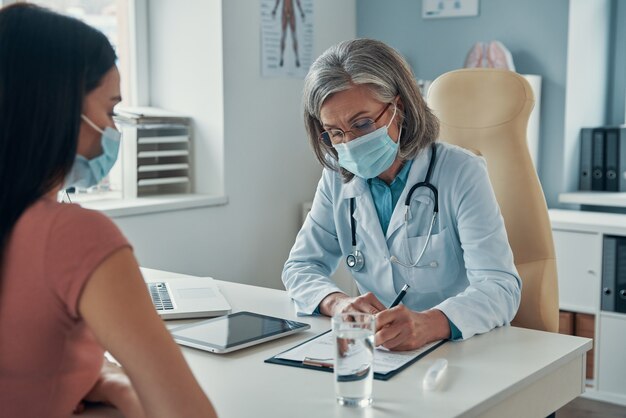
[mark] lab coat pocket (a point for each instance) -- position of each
(438, 267)
(421, 213)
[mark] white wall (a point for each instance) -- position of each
(268, 168)
(186, 75)
(587, 79)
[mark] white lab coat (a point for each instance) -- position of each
(475, 283)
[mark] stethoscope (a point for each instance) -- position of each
(355, 260)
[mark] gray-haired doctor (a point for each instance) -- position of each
(397, 208)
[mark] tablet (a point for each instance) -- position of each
(235, 331)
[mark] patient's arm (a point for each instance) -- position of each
(116, 306)
(114, 388)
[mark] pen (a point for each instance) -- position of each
(319, 362)
(398, 298)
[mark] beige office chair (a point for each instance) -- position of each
(486, 111)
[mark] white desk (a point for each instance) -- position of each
(509, 372)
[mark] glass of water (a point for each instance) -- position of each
(354, 357)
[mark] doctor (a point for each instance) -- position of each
(396, 208)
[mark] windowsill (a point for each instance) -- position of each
(115, 207)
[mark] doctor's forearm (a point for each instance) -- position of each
(440, 328)
(328, 305)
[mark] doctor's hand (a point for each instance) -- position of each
(340, 302)
(401, 329)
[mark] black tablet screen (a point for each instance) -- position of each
(235, 329)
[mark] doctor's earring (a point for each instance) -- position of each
(355, 260)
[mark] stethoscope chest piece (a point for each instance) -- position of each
(355, 260)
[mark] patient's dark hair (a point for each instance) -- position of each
(48, 63)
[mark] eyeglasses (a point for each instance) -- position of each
(359, 128)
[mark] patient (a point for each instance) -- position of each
(70, 287)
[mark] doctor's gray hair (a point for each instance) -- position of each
(381, 68)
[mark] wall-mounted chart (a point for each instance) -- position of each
(286, 38)
(437, 9)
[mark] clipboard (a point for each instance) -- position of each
(404, 358)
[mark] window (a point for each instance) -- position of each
(114, 18)
(125, 23)
(111, 17)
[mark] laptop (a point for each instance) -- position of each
(177, 296)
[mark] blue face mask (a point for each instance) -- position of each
(87, 173)
(369, 155)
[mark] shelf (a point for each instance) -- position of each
(162, 167)
(159, 154)
(166, 180)
(614, 199)
(584, 221)
(164, 140)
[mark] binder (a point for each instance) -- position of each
(611, 159)
(597, 160)
(586, 138)
(621, 172)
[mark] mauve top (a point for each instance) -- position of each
(49, 359)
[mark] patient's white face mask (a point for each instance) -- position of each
(87, 173)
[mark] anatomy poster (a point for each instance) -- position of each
(286, 38)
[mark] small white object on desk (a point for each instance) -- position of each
(435, 374)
